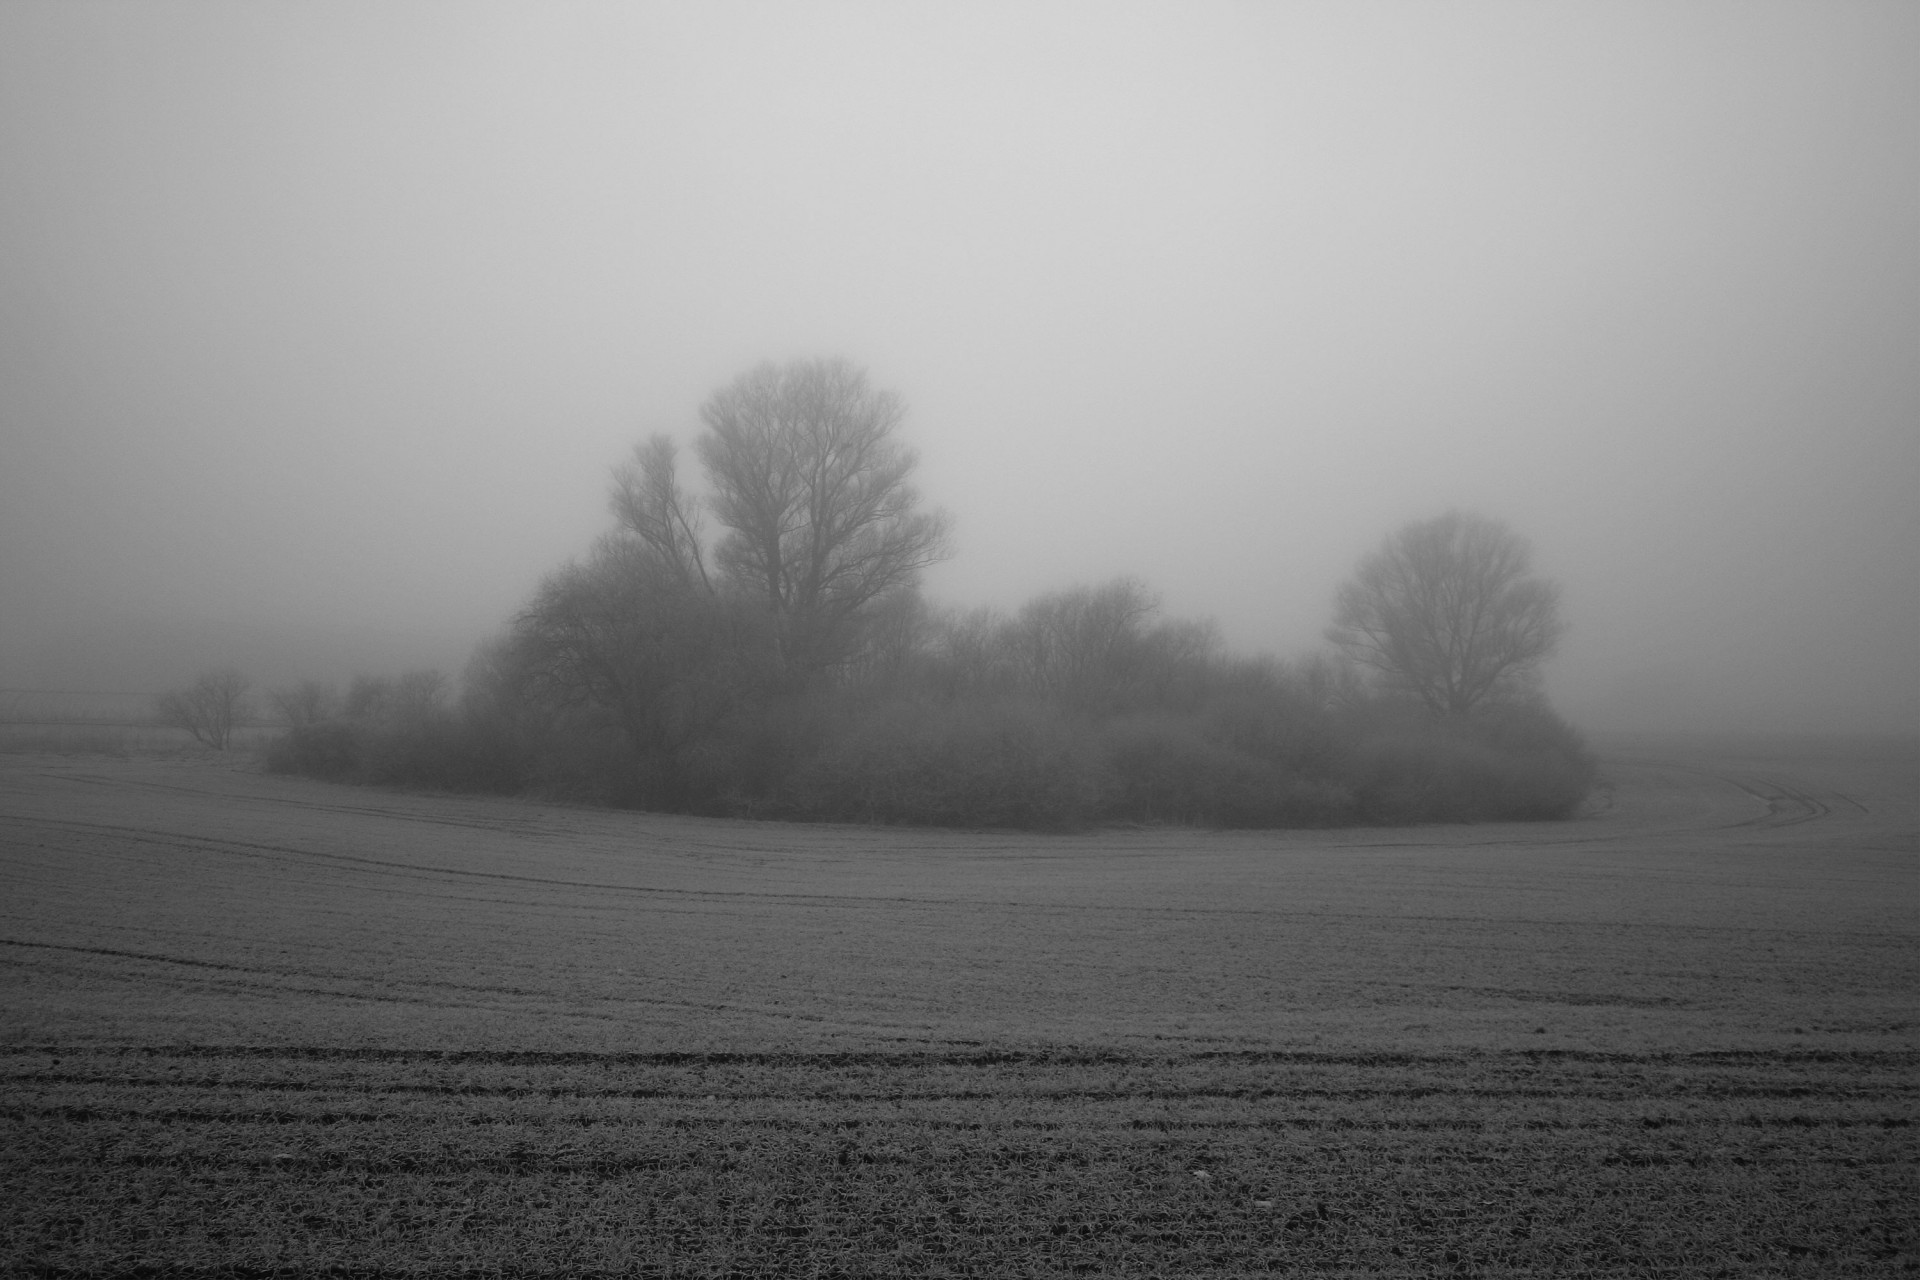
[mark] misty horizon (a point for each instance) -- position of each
(327, 327)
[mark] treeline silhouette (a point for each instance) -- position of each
(1086, 707)
(790, 667)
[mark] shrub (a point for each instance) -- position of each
(1512, 763)
(327, 749)
(1006, 764)
(1161, 769)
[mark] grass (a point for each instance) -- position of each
(257, 1025)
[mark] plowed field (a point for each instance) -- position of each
(256, 1025)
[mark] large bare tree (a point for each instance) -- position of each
(813, 490)
(1446, 610)
(811, 486)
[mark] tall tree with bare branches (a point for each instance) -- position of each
(812, 487)
(1447, 610)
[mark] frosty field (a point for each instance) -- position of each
(256, 1023)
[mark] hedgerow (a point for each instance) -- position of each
(1235, 744)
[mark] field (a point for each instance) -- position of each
(258, 1025)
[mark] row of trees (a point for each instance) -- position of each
(221, 701)
(785, 663)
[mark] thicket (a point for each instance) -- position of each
(789, 667)
(1084, 708)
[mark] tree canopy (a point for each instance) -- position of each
(1446, 610)
(812, 489)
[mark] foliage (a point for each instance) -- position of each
(396, 731)
(1004, 764)
(1166, 769)
(621, 685)
(791, 667)
(812, 488)
(627, 634)
(1445, 611)
(209, 708)
(308, 702)
(1513, 763)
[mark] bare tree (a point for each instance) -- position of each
(419, 695)
(1079, 647)
(308, 702)
(812, 488)
(368, 698)
(650, 504)
(208, 709)
(1100, 650)
(972, 654)
(1445, 609)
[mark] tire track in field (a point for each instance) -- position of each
(245, 972)
(507, 821)
(384, 866)
(1786, 804)
(844, 901)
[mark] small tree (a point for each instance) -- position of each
(1099, 650)
(1445, 610)
(208, 709)
(308, 702)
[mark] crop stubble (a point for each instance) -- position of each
(258, 1024)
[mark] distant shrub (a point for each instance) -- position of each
(400, 733)
(582, 757)
(1080, 710)
(1004, 764)
(1504, 764)
(1267, 714)
(327, 749)
(1161, 769)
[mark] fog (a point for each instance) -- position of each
(324, 324)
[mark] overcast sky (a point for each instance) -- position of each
(321, 325)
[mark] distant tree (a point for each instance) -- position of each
(891, 642)
(308, 702)
(1097, 649)
(650, 504)
(209, 708)
(368, 698)
(811, 486)
(1078, 647)
(418, 695)
(1445, 610)
(626, 633)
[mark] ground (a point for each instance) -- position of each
(259, 1023)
